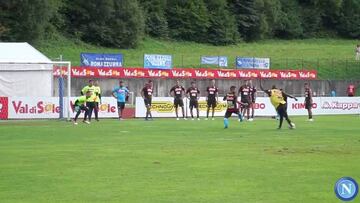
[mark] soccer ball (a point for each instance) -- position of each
(293, 126)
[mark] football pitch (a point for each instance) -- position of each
(178, 161)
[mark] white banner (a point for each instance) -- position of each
(48, 107)
(221, 61)
(253, 63)
(163, 106)
(156, 61)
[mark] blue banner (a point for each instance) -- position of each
(221, 61)
(252, 63)
(155, 61)
(101, 60)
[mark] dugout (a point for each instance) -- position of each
(24, 71)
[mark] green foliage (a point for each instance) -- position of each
(123, 23)
(188, 20)
(156, 24)
(117, 23)
(248, 18)
(289, 25)
(222, 29)
(349, 21)
(24, 20)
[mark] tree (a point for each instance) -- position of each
(156, 24)
(289, 25)
(24, 20)
(271, 14)
(222, 29)
(188, 20)
(249, 18)
(115, 23)
(349, 21)
(129, 24)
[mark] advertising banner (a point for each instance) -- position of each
(163, 106)
(155, 61)
(4, 108)
(220, 61)
(88, 72)
(101, 60)
(252, 63)
(48, 107)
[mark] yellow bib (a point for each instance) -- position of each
(97, 92)
(276, 98)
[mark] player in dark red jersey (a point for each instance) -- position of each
(146, 94)
(308, 100)
(212, 99)
(245, 95)
(177, 92)
(193, 95)
(231, 100)
(253, 99)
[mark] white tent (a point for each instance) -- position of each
(24, 71)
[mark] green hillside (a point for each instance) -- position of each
(333, 58)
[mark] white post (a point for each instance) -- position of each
(69, 91)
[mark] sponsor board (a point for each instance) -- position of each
(163, 106)
(48, 107)
(252, 63)
(220, 61)
(156, 61)
(201, 73)
(101, 60)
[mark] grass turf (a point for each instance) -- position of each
(332, 58)
(177, 161)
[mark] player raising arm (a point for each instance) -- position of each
(277, 100)
(231, 100)
(80, 105)
(177, 92)
(193, 95)
(146, 94)
(212, 99)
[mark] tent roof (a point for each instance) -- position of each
(21, 53)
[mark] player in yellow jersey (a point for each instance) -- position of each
(90, 102)
(278, 101)
(97, 92)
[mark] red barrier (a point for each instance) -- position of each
(79, 72)
(4, 112)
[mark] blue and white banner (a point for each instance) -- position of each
(155, 61)
(252, 63)
(101, 60)
(221, 61)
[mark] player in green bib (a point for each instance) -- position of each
(90, 102)
(80, 105)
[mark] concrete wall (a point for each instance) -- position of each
(162, 86)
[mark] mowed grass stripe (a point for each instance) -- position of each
(177, 161)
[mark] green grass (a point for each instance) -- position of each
(333, 58)
(177, 161)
